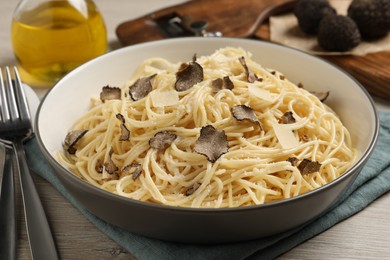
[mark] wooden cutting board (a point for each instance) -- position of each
(246, 19)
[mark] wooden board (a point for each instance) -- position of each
(249, 19)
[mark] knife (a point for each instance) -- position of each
(7, 205)
(2, 162)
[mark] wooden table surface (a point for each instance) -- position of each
(365, 235)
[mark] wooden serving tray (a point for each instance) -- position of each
(247, 19)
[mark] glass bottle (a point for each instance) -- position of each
(52, 37)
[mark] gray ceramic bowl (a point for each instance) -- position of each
(70, 98)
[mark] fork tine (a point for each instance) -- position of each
(21, 99)
(4, 104)
(11, 98)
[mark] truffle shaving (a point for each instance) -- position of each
(211, 143)
(188, 75)
(162, 140)
(307, 166)
(293, 161)
(99, 166)
(72, 138)
(110, 166)
(109, 93)
(141, 87)
(135, 169)
(322, 96)
(219, 84)
(192, 189)
(288, 118)
(242, 112)
(125, 133)
(251, 77)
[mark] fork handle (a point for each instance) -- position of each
(40, 237)
(8, 214)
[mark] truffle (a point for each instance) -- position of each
(162, 140)
(141, 87)
(242, 112)
(109, 93)
(188, 75)
(125, 133)
(135, 169)
(192, 189)
(99, 166)
(224, 83)
(72, 138)
(338, 33)
(288, 118)
(371, 16)
(309, 14)
(110, 166)
(250, 75)
(307, 166)
(322, 96)
(211, 143)
(293, 160)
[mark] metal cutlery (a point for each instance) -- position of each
(15, 127)
(7, 205)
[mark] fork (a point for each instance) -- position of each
(16, 128)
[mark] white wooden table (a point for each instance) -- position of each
(366, 235)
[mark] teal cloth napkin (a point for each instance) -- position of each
(372, 182)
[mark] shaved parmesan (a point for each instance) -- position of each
(285, 136)
(260, 93)
(164, 98)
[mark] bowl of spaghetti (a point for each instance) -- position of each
(207, 140)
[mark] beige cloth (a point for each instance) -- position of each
(284, 29)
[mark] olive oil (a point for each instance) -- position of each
(54, 37)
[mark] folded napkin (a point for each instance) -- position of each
(372, 182)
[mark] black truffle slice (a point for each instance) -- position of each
(309, 14)
(125, 133)
(288, 118)
(192, 189)
(188, 75)
(135, 169)
(99, 166)
(251, 77)
(217, 85)
(322, 96)
(242, 112)
(293, 160)
(338, 33)
(109, 93)
(72, 138)
(224, 83)
(162, 140)
(110, 166)
(141, 87)
(211, 143)
(307, 166)
(371, 16)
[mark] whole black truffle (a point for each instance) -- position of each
(310, 12)
(338, 33)
(371, 16)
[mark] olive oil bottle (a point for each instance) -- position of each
(50, 38)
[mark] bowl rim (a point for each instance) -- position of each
(125, 200)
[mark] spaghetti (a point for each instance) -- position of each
(264, 161)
